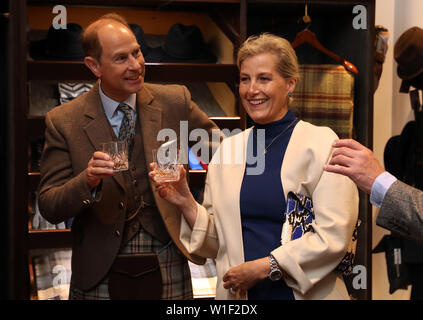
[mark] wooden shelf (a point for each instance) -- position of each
(136, 3)
(33, 180)
(45, 239)
(39, 70)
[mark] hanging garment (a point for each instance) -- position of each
(42, 97)
(325, 97)
(399, 273)
(401, 158)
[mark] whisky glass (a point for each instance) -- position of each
(118, 152)
(166, 164)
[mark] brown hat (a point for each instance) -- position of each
(408, 53)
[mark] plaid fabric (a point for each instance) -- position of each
(203, 279)
(176, 278)
(325, 97)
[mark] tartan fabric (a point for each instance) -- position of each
(176, 278)
(325, 97)
(127, 126)
(203, 279)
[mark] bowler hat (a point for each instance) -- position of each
(139, 35)
(408, 53)
(183, 44)
(60, 44)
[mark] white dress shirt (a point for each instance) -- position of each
(381, 185)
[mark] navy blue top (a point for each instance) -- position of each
(263, 205)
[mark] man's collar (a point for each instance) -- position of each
(110, 105)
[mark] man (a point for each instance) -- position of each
(401, 206)
(116, 213)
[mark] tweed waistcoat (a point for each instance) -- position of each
(141, 208)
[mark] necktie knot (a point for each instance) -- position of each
(126, 110)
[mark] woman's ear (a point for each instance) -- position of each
(93, 65)
(292, 84)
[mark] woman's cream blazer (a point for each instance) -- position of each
(308, 263)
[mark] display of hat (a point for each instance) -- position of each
(408, 53)
(60, 44)
(183, 44)
(139, 34)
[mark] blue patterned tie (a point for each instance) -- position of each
(127, 126)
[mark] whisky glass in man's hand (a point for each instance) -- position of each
(118, 152)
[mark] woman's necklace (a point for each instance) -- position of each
(275, 138)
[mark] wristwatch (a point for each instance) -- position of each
(275, 273)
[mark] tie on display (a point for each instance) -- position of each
(127, 126)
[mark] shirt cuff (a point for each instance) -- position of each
(381, 185)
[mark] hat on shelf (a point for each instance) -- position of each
(60, 44)
(408, 53)
(183, 44)
(139, 34)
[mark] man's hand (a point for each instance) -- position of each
(100, 166)
(355, 161)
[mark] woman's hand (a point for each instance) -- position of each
(246, 275)
(177, 193)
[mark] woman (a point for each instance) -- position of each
(240, 221)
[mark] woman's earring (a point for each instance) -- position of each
(290, 94)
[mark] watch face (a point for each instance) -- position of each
(275, 275)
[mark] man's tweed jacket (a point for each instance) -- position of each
(402, 211)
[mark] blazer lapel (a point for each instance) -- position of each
(98, 128)
(235, 173)
(150, 120)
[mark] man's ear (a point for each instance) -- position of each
(93, 65)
